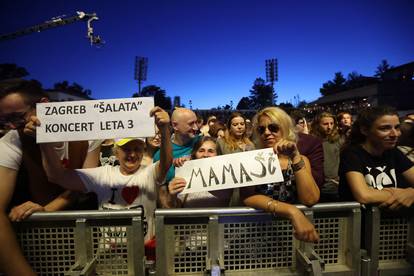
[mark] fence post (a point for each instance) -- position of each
(214, 262)
(136, 252)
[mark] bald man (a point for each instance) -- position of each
(184, 123)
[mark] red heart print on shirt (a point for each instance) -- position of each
(129, 194)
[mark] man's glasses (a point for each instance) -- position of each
(17, 119)
(271, 127)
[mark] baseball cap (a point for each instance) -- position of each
(123, 141)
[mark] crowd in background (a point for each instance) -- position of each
(367, 157)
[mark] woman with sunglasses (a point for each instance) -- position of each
(274, 128)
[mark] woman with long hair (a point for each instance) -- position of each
(372, 170)
(235, 138)
(274, 129)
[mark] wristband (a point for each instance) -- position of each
(296, 167)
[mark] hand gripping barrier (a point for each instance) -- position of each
(245, 241)
(84, 242)
(388, 242)
(230, 241)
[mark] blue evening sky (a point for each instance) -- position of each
(209, 51)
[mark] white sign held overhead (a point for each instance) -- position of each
(95, 120)
(231, 171)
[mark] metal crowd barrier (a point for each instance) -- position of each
(244, 241)
(233, 241)
(84, 242)
(389, 243)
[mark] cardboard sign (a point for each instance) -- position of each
(231, 171)
(95, 120)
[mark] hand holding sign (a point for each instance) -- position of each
(176, 185)
(30, 127)
(231, 171)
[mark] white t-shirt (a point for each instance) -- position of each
(118, 191)
(11, 150)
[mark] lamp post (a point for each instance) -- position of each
(141, 67)
(272, 70)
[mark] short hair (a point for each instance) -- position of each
(280, 117)
(30, 90)
(366, 119)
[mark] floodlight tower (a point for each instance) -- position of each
(141, 67)
(271, 70)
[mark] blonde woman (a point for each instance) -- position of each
(274, 128)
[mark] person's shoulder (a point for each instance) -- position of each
(11, 137)
(309, 139)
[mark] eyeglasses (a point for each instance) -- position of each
(17, 119)
(271, 127)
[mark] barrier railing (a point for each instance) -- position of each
(237, 241)
(389, 242)
(84, 242)
(244, 241)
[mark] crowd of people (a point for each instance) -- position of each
(366, 157)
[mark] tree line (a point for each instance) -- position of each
(261, 94)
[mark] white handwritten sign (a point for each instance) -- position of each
(231, 171)
(95, 120)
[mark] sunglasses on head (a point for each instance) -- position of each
(271, 127)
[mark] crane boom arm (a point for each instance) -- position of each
(54, 22)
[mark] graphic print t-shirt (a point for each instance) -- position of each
(379, 171)
(118, 191)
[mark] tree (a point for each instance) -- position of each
(336, 85)
(244, 103)
(12, 71)
(354, 79)
(160, 98)
(74, 89)
(382, 68)
(262, 95)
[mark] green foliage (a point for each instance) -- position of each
(262, 95)
(74, 88)
(244, 103)
(12, 71)
(383, 67)
(160, 98)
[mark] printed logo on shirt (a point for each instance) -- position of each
(379, 177)
(127, 196)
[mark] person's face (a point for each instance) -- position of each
(220, 133)
(14, 112)
(156, 140)
(270, 132)
(384, 132)
(186, 125)
(212, 122)
(207, 149)
(237, 127)
(327, 124)
(130, 156)
(346, 120)
(300, 125)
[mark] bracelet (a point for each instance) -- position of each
(275, 204)
(296, 167)
(268, 205)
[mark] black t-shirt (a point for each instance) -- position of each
(380, 172)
